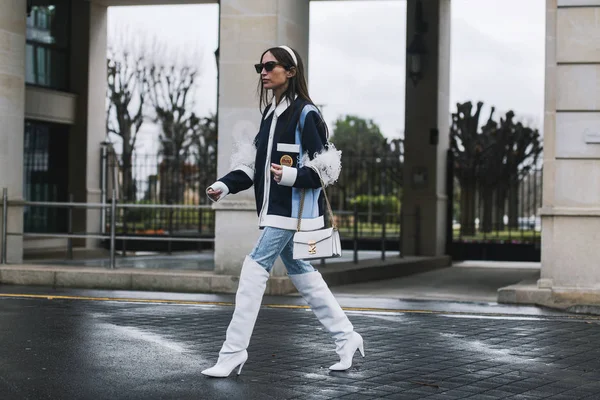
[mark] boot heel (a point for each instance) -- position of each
(240, 369)
(361, 348)
(227, 364)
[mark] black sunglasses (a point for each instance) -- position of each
(268, 66)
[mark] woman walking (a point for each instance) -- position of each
(290, 154)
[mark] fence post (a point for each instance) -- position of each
(200, 214)
(383, 168)
(418, 231)
(169, 243)
(355, 233)
(450, 201)
(113, 223)
(70, 230)
(383, 229)
(4, 224)
(103, 184)
(125, 227)
(401, 231)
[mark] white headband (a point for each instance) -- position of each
(291, 54)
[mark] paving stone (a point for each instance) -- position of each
(499, 394)
(359, 396)
(474, 388)
(563, 397)
(404, 396)
(455, 392)
(148, 349)
(312, 397)
(480, 396)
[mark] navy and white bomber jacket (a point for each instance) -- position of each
(294, 136)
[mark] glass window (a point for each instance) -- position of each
(46, 67)
(45, 168)
(48, 26)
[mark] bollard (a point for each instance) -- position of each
(4, 224)
(113, 223)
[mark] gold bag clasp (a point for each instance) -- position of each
(312, 247)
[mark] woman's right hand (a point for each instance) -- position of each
(214, 194)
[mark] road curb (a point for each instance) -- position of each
(206, 281)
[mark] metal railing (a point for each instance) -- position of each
(499, 213)
(369, 178)
(112, 235)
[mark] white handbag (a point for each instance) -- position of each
(322, 243)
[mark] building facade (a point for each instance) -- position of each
(52, 119)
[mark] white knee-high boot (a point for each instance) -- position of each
(253, 281)
(315, 291)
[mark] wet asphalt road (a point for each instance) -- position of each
(88, 349)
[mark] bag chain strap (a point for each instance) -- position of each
(328, 207)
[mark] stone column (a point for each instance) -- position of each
(427, 136)
(88, 80)
(571, 197)
(13, 24)
(246, 30)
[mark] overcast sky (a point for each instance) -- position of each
(357, 55)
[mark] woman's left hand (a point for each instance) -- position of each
(277, 171)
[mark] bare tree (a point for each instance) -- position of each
(127, 94)
(469, 147)
(490, 163)
(172, 89)
(204, 151)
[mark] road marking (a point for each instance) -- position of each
(292, 306)
(119, 299)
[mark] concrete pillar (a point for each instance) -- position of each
(246, 30)
(427, 136)
(88, 80)
(571, 198)
(12, 110)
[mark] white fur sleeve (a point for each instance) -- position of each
(327, 163)
(243, 156)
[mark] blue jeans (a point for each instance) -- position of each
(274, 242)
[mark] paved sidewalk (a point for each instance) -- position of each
(82, 349)
(475, 281)
(195, 273)
(190, 261)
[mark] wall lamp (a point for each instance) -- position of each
(417, 51)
